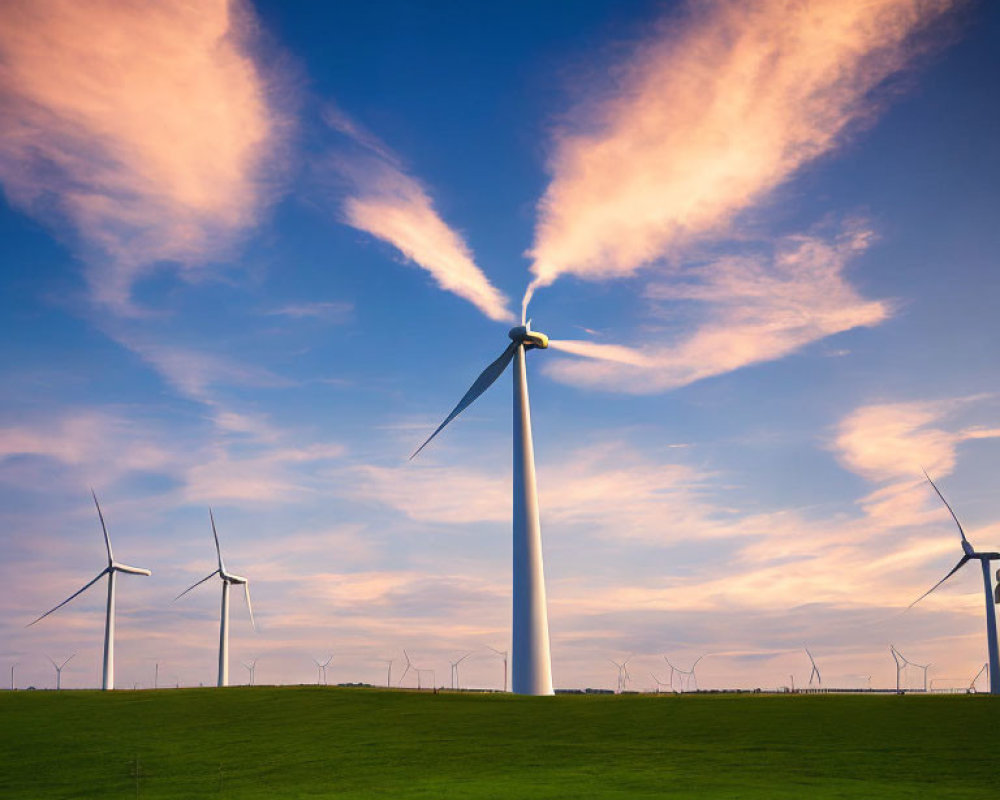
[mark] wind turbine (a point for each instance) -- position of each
(531, 659)
(454, 671)
(623, 676)
(321, 669)
(691, 678)
(251, 667)
(388, 672)
(992, 597)
(814, 673)
(902, 662)
(12, 668)
(659, 683)
(673, 669)
(228, 579)
(972, 684)
(111, 570)
(503, 655)
(59, 669)
(409, 664)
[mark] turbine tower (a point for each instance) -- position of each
(814, 673)
(111, 570)
(531, 661)
(59, 668)
(992, 596)
(228, 579)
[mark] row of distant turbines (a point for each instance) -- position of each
(531, 667)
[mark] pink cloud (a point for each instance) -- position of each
(721, 107)
(391, 205)
(749, 309)
(148, 126)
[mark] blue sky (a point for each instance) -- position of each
(254, 254)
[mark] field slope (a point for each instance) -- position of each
(313, 742)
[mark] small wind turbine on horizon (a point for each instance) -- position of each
(623, 674)
(691, 678)
(902, 662)
(111, 570)
(984, 668)
(455, 684)
(503, 655)
(228, 579)
(992, 596)
(59, 668)
(388, 673)
(659, 683)
(814, 672)
(251, 667)
(531, 657)
(321, 669)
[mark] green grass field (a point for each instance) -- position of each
(313, 742)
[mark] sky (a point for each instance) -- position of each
(252, 255)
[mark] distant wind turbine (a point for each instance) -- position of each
(321, 669)
(59, 669)
(531, 658)
(409, 666)
(902, 662)
(228, 579)
(992, 597)
(455, 684)
(659, 683)
(623, 675)
(688, 678)
(814, 673)
(388, 673)
(503, 655)
(111, 570)
(984, 668)
(251, 667)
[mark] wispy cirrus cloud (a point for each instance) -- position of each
(148, 126)
(747, 309)
(385, 201)
(725, 104)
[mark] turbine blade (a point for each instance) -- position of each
(482, 383)
(956, 568)
(199, 583)
(246, 590)
(948, 506)
(218, 550)
(100, 575)
(130, 570)
(107, 539)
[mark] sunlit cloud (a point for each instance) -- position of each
(722, 106)
(148, 126)
(747, 309)
(385, 201)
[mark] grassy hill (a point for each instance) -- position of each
(317, 742)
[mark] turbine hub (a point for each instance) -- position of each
(529, 338)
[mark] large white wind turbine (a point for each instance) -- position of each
(992, 596)
(814, 673)
(111, 570)
(531, 663)
(59, 668)
(228, 579)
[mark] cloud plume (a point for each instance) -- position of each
(147, 126)
(749, 309)
(391, 205)
(724, 106)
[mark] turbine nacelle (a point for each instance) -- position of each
(522, 334)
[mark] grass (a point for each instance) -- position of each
(317, 742)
